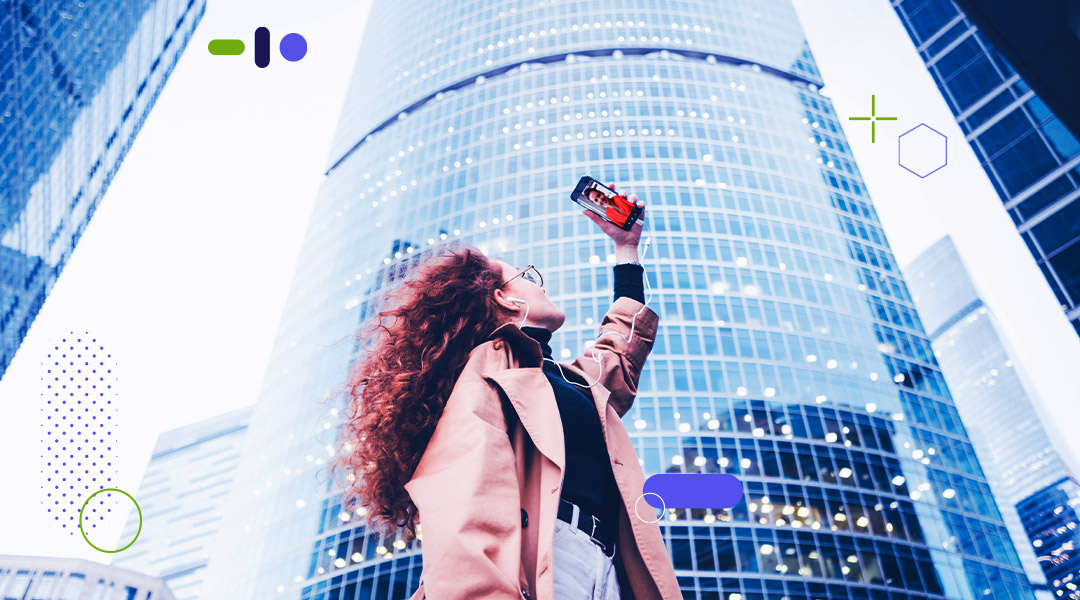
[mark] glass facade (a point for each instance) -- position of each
(789, 352)
(1010, 440)
(182, 494)
(77, 80)
(1052, 519)
(46, 578)
(1032, 160)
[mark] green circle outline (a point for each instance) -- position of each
(136, 508)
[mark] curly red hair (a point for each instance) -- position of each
(396, 392)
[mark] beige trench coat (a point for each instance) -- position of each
(488, 485)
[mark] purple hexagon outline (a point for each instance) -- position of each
(931, 129)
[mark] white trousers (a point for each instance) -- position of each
(582, 570)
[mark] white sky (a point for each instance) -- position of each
(185, 266)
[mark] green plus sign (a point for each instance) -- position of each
(873, 119)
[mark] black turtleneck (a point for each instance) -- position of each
(587, 479)
(629, 281)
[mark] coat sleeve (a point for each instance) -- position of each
(465, 487)
(622, 362)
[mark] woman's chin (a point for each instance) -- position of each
(558, 321)
(551, 323)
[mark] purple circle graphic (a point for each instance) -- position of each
(293, 47)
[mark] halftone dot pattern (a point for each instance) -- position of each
(78, 427)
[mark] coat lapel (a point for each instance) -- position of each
(533, 399)
(539, 414)
(520, 376)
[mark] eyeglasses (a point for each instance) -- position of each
(529, 274)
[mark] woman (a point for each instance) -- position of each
(462, 431)
(617, 208)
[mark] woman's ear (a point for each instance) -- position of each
(504, 300)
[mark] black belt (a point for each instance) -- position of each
(603, 534)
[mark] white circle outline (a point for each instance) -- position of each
(639, 500)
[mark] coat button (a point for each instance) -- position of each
(525, 594)
(524, 518)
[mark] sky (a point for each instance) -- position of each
(186, 264)
(185, 267)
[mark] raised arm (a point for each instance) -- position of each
(622, 360)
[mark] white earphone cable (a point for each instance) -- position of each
(597, 357)
(520, 301)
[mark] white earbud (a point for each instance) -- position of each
(526, 315)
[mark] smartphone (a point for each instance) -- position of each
(602, 200)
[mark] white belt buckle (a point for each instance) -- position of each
(576, 518)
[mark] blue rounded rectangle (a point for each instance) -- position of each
(693, 490)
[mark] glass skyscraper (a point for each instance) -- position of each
(1010, 440)
(182, 494)
(1032, 160)
(47, 578)
(789, 351)
(1052, 519)
(77, 80)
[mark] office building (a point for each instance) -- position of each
(47, 578)
(1030, 157)
(1052, 519)
(789, 351)
(183, 492)
(77, 80)
(1011, 441)
(1041, 44)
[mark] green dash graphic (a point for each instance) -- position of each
(226, 47)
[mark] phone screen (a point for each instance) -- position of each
(605, 202)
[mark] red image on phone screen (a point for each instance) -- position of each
(600, 199)
(617, 208)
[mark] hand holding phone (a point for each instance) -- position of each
(625, 235)
(605, 203)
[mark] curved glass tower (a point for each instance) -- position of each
(789, 352)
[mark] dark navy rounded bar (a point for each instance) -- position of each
(262, 47)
